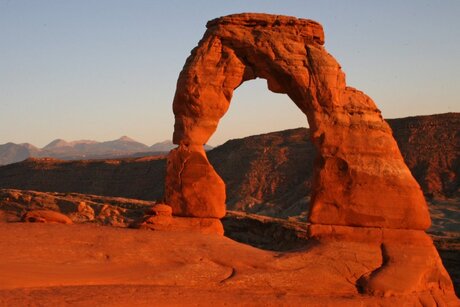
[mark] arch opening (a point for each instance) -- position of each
(255, 110)
(262, 172)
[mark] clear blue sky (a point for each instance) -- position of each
(100, 69)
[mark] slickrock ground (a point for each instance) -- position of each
(47, 261)
(89, 265)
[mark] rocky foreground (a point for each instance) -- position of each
(88, 265)
(54, 248)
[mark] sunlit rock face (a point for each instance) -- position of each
(362, 190)
(192, 186)
(360, 176)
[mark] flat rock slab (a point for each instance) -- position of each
(75, 264)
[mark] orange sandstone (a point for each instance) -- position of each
(46, 216)
(360, 176)
(362, 190)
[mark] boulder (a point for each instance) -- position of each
(159, 210)
(45, 216)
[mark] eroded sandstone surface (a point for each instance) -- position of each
(85, 265)
(360, 176)
(305, 264)
(69, 208)
(362, 190)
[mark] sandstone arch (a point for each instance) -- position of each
(361, 178)
(365, 202)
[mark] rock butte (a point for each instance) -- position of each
(362, 190)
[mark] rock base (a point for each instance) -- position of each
(100, 266)
(405, 262)
(159, 217)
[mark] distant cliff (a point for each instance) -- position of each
(266, 174)
(431, 148)
(271, 173)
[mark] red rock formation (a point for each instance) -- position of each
(362, 189)
(408, 261)
(39, 207)
(274, 173)
(361, 178)
(46, 216)
(87, 265)
(345, 264)
(195, 186)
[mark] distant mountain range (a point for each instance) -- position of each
(83, 149)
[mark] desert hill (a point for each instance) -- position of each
(84, 148)
(140, 178)
(273, 173)
(431, 148)
(11, 152)
(81, 149)
(124, 147)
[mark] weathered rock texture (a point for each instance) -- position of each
(46, 216)
(349, 256)
(195, 185)
(87, 265)
(360, 175)
(60, 208)
(275, 170)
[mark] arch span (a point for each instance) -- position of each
(360, 176)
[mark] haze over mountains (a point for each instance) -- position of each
(83, 149)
